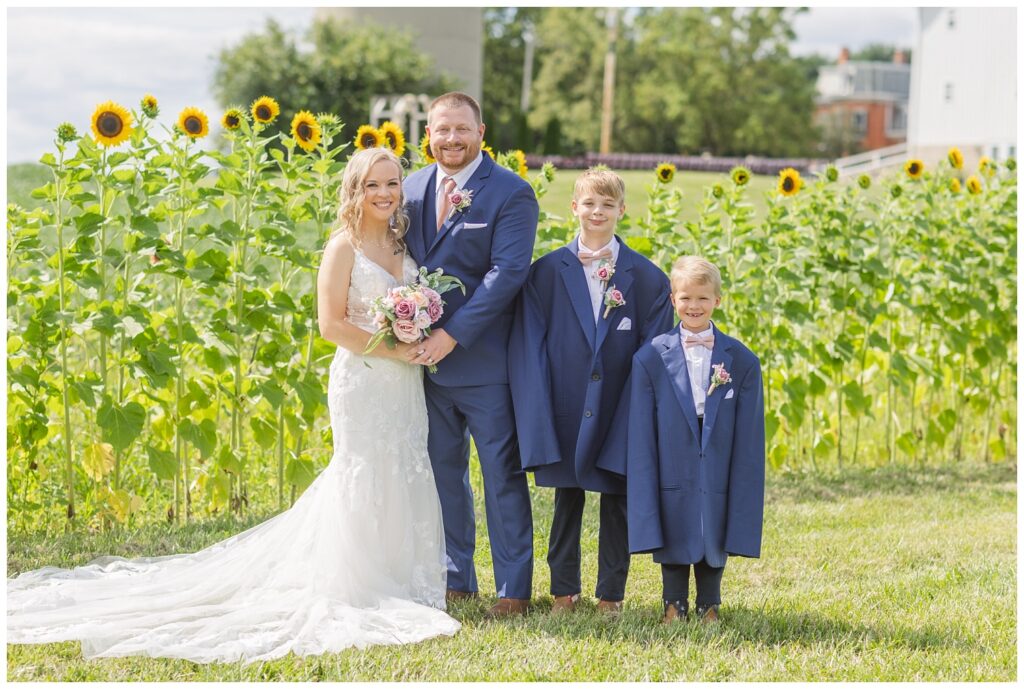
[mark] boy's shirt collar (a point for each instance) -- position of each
(613, 245)
(684, 332)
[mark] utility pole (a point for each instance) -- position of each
(612, 21)
(528, 41)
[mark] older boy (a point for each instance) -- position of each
(584, 311)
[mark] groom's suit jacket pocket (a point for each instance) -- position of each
(474, 225)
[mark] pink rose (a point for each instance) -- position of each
(422, 320)
(616, 295)
(602, 274)
(455, 197)
(379, 321)
(406, 331)
(434, 310)
(430, 294)
(405, 309)
(419, 299)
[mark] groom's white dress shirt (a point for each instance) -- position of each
(461, 179)
(596, 288)
(698, 364)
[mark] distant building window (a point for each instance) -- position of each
(897, 125)
(1011, 150)
(951, 18)
(859, 119)
(949, 92)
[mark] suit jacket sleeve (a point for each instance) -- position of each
(643, 488)
(745, 515)
(515, 230)
(657, 321)
(529, 375)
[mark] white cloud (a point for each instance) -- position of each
(825, 30)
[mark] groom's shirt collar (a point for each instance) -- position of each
(461, 177)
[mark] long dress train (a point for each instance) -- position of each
(359, 559)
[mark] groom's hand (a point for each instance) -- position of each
(433, 349)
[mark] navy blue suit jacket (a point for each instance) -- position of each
(489, 247)
(695, 496)
(569, 375)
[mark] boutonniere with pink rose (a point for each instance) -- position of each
(604, 271)
(719, 377)
(613, 299)
(461, 199)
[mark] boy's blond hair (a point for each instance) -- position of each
(600, 180)
(696, 269)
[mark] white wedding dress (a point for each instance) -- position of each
(359, 559)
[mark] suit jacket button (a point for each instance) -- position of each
(596, 376)
(588, 413)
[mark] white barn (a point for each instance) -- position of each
(963, 84)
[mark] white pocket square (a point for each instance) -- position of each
(625, 324)
(473, 225)
(729, 394)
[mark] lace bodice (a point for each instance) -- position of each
(369, 281)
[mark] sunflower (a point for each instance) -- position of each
(831, 173)
(740, 175)
(955, 157)
(520, 159)
(974, 184)
(368, 136)
(986, 166)
(485, 147)
(548, 170)
(914, 168)
(864, 181)
(232, 119)
(665, 172)
(66, 132)
(111, 124)
(393, 137)
(193, 123)
(306, 130)
(428, 158)
(954, 185)
(717, 191)
(265, 109)
(896, 191)
(789, 182)
(150, 107)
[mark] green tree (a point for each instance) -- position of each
(504, 53)
(345, 66)
(879, 52)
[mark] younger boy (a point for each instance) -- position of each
(696, 457)
(584, 311)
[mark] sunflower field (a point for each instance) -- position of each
(164, 360)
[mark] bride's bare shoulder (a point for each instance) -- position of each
(340, 246)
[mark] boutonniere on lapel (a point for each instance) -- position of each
(719, 377)
(460, 199)
(604, 271)
(613, 299)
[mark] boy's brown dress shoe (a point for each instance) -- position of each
(708, 615)
(453, 595)
(564, 604)
(675, 611)
(507, 607)
(610, 608)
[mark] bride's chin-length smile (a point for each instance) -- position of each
(382, 192)
(455, 136)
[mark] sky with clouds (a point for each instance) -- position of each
(62, 62)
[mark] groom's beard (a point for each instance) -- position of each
(453, 161)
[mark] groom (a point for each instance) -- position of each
(477, 221)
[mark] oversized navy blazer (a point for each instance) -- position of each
(489, 247)
(568, 374)
(695, 497)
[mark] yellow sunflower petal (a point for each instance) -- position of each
(974, 184)
(306, 130)
(193, 123)
(265, 109)
(111, 124)
(914, 168)
(956, 158)
(394, 138)
(232, 119)
(789, 182)
(665, 172)
(368, 136)
(427, 156)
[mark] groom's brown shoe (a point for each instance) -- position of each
(564, 604)
(507, 607)
(452, 595)
(612, 609)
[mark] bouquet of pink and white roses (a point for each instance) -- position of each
(406, 313)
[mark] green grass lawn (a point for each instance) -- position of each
(888, 574)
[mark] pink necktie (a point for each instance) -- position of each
(446, 204)
(591, 256)
(706, 339)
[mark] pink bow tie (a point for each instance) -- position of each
(703, 340)
(591, 256)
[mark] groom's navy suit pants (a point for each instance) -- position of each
(485, 411)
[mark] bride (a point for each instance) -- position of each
(359, 559)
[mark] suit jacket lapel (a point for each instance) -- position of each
(475, 184)
(719, 355)
(421, 187)
(622, 281)
(675, 362)
(579, 293)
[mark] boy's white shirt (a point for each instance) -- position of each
(698, 365)
(595, 285)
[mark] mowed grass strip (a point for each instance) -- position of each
(888, 574)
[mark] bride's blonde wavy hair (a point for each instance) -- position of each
(352, 193)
